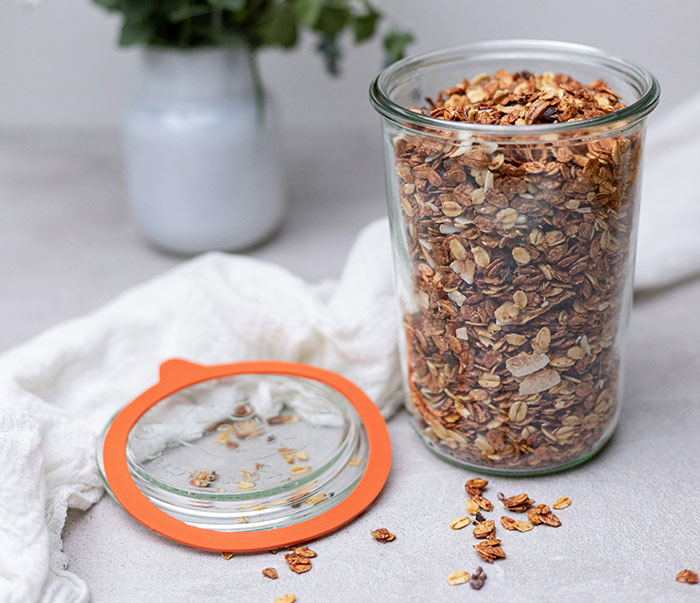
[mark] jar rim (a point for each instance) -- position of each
(642, 80)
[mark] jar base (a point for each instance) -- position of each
(513, 472)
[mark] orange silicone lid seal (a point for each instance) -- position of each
(176, 374)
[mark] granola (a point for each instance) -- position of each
(383, 535)
(458, 577)
(687, 576)
(520, 257)
(478, 578)
(543, 514)
(270, 572)
(485, 529)
(489, 550)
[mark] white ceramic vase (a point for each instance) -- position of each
(202, 160)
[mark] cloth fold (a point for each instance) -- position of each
(58, 390)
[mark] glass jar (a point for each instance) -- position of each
(514, 257)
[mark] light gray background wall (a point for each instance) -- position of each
(59, 64)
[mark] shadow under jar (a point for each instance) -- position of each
(514, 257)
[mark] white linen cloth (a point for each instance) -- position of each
(58, 391)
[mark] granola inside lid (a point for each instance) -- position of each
(246, 456)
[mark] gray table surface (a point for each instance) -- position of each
(66, 247)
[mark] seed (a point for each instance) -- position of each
(457, 250)
(460, 522)
(286, 599)
(451, 209)
(561, 503)
(354, 461)
(245, 485)
(472, 507)
(458, 577)
(299, 469)
(506, 313)
(542, 340)
(516, 339)
(520, 299)
(489, 380)
(554, 237)
(517, 412)
(301, 455)
(270, 572)
(576, 352)
(289, 458)
(481, 257)
(523, 526)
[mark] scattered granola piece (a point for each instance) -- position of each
(460, 522)
(245, 485)
(561, 503)
(202, 479)
(484, 503)
(478, 578)
(485, 529)
(475, 486)
(296, 470)
(305, 551)
(286, 599)
(283, 419)
(472, 506)
(511, 524)
(383, 535)
(687, 577)
(227, 556)
(299, 564)
(354, 461)
(458, 577)
(270, 572)
(543, 514)
(518, 503)
(489, 550)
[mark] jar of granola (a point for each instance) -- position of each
(513, 172)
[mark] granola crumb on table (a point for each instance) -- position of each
(383, 535)
(687, 577)
(520, 255)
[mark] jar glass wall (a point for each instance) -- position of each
(514, 257)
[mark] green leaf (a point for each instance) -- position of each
(233, 5)
(231, 37)
(365, 25)
(308, 11)
(108, 4)
(395, 42)
(134, 9)
(280, 28)
(135, 32)
(187, 11)
(331, 20)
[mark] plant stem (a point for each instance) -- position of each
(257, 86)
(216, 23)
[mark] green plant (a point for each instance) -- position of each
(254, 24)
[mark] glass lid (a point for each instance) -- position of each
(242, 449)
